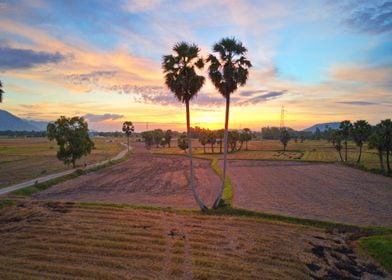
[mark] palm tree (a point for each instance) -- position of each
(361, 132)
(376, 141)
(1, 92)
(346, 130)
(128, 128)
(337, 142)
(227, 71)
(284, 138)
(181, 78)
(386, 133)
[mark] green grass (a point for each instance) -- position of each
(380, 248)
(227, 195)
(6, 202)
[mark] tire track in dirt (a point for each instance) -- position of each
(144, 179)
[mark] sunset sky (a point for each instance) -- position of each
(323, 60)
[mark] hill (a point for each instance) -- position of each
(9, 121)
(322, 127)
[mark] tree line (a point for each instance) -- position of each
(360, 132)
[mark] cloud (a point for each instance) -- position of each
(135, 6)
(263, 98)
(359, 103)
(251, 92)
(90, 78)
(366, 16)
(13, 58)
(375, 75)
(103, 117)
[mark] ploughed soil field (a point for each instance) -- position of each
(144, 179)
(312, 190)
(51, 240)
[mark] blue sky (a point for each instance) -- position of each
(327, 60)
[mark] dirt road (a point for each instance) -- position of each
(312, 190)
(144, 179)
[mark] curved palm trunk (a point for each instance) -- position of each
(360, 153)
(225, 138)
(387, 159)
(188, 130)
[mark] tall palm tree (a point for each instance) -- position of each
(181, 78)
(128, 128)
(346, 130)
(361, 132)
(1, 92)
(228, 71)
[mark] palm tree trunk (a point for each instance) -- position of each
(388, 165)
(340, 155)
(345, 152)
(246, 143)
(381, 160)
(225, 138)
(188, 130)
(360, 154)
(128, 142)
(220, 146)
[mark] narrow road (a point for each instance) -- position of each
(60, 174)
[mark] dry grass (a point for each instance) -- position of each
(26, 159)
(66, 241)
(310, 150)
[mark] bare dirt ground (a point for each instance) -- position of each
(144, 179)
(312, 190)
(51, 240)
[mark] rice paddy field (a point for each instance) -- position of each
(309, 150)
(23, 159)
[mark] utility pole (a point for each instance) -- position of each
(282, 110)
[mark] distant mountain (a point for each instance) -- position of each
(322, 126)
(40, 125)
(9, 121)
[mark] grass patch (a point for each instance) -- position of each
(6, 202)
(227, 195)
(380, 248)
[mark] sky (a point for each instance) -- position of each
(323, 61)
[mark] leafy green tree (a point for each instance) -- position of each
(346, 130)
(220, 134)
(228, 71)
(376, 141)
(284, 138)
(1, 92)
(168, 137)
(148, 137)
(182, 142)
(72, 138)
(234, 137)
(360, 132)
(211, 135)
(158, 135)
(337, 142)
(246, 136)
(203, 139)
(181, 78)
(128, 128)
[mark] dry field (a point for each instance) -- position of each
(144, 179)
(25, 159)
(48, 240)
(312, 190)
